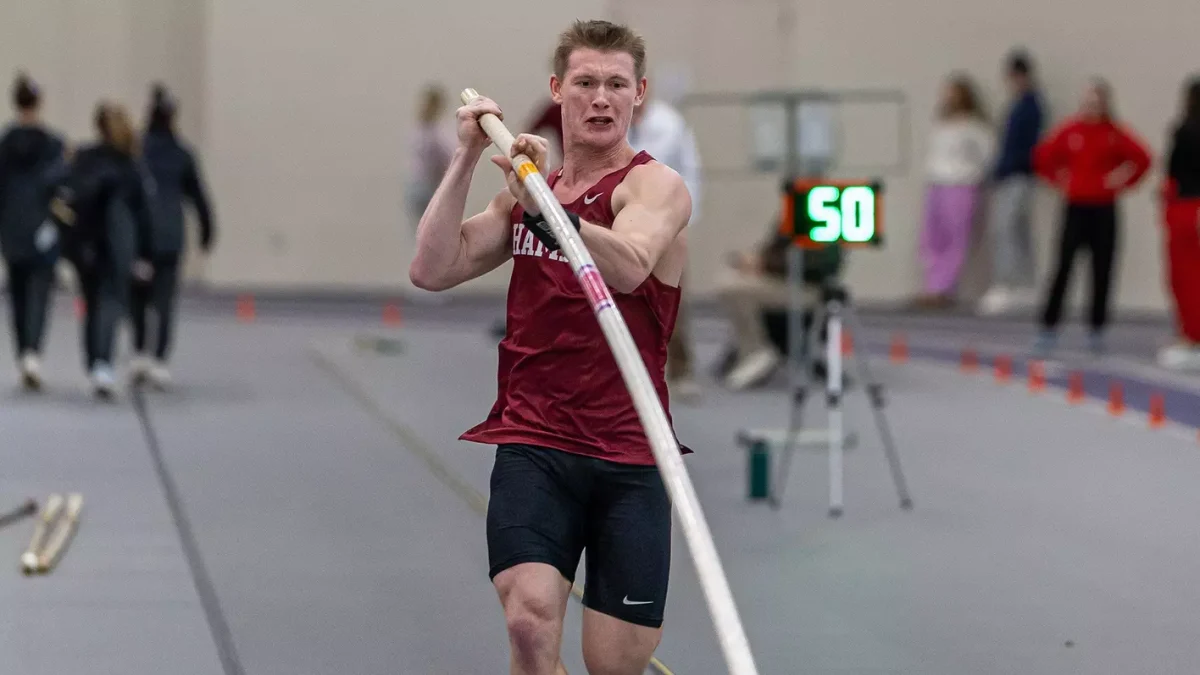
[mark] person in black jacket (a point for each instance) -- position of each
(1013, 188)
(103, 207)
(176, 177)
(31, 158)
(1181, 216)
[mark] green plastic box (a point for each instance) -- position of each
(758, 469)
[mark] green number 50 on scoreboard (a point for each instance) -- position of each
(844, 213)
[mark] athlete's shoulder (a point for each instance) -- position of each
(652, 177)
(654, 185)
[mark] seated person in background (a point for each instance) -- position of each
(659, 129)
(755, 282)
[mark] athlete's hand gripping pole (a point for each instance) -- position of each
(730, 633)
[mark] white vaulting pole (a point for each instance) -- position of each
(728, 624)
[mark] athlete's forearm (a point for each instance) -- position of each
(440, 242)
(623, 263)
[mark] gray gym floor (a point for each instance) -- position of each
(299, 504)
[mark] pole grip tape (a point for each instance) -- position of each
(595, 288)
(525, 168)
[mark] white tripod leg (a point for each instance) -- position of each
(833, 388)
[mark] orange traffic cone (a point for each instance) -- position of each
(1075, 388)
(245, 308)
(970, 361)
(1003, 368)
(1158, 412)
(1037, 377)
(1116, 399)
(391, 314)
(899, 352)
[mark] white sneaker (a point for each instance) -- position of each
(997, 300)
(159, 376)
(103, 382)
(1023, 297)
(753, 369)
(1180, 357)
(31, 371)
(139, 369)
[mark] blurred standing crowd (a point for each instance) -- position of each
(1091, 159)
(113, 210)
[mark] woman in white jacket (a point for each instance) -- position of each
(961, 146)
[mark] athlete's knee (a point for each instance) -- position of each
(607, 660)
(532, 637)
(533, 628)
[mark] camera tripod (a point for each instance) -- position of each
(836, 309)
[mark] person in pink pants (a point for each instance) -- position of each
(961, 146)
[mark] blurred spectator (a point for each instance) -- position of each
(754, 285)
(31, 157)
(1012, 197)
(1092, 159)
(1182, 220)
(175, 175)
(548, 124)
(960, 151)
(104, 208)
(432, 146)
(659, 129)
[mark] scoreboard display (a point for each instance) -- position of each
(819, 213)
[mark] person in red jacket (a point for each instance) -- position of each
(1091, 159)
(1181, 216)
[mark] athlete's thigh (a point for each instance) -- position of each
(535, 514)
(628, 567)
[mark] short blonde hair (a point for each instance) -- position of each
(603, 36)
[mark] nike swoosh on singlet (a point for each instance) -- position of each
(627, 601)
(589, 200)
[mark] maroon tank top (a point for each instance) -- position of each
(559, 385)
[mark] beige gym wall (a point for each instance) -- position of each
(308, 118)
(302, 115)
(81, 52)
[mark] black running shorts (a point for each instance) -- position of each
(548, 506)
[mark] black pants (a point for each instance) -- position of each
(106, 299)
(158, 295)
(29, 286)
(1094, 228)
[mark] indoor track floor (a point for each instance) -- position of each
(299, 504)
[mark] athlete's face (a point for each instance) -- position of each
(598, 93)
